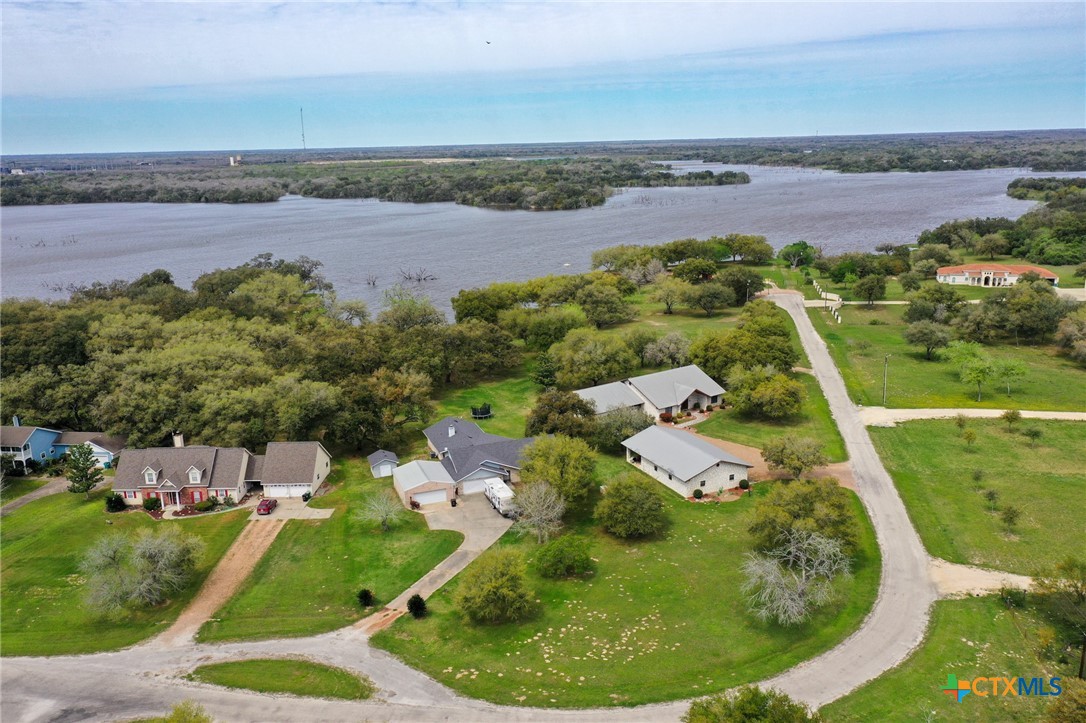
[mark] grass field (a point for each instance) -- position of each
(16, 487)
(307, 581)
(974, 637)
(276, 675)
(1052, 382)
(814, 421)
(42, 545)
(659, 620)
(932, 468)
(510, 399)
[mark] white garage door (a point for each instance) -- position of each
(285, 490)
(429, 498)
(475, 486)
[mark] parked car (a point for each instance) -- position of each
(266, 506)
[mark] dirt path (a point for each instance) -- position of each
(883, 417)
(954, 580)
(222, 583)
(50, 488)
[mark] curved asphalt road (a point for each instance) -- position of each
(145, 680)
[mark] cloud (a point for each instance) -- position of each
(74, 49)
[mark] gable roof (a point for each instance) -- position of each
(681, 453)
(382, 455)
(1015, 269)
(673, 386)
(465, 434)
(415, 474)
(613, 395)
(15, 436)
(110, 444)
(222, 466)
(504, 452)
(291, 462)
(254, 469)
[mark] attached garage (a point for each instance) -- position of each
(281, 491)
(476, 486)
(431, 498)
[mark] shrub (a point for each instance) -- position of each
(416, 606)
(229, 501)
(666, 417)
(115, 503)
(306, 496)
(365, 597)
(1012, 597)
(204, 505)
(698, 494)
(564, 557)
(744, 484)
(152, 503)
(749, 703)
(493, 589)
(632, 507)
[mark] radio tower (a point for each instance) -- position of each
(301, 114)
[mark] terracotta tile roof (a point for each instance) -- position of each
(1016, 269)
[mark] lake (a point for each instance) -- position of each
(46, 248)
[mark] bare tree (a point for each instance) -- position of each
(384, 509)
(541, 508)
(673, 349)
(371, 279)
(787, 583)
(144, 571)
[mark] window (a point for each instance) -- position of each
(703, 483)
(194, 476)
(669, 478)
(26, 447)
(43, 455)
(149, 477)
(655, 468)
(731, 477)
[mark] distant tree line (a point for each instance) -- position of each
(539, 185)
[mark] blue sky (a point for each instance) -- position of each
(120, 76)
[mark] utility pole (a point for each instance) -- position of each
(885, 376)
(301, 114)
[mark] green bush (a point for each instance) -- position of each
(416, 606)
(632, 507)
(565, 556)
(365, 597)
(152, 503)
(115, 503)
(204, 505)
(698, 494)
(493, 589)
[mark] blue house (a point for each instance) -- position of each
(40, 444)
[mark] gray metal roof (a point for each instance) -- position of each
(681, 453)
(415, 474)
(613, 395)
(382, 455)
(673, 386)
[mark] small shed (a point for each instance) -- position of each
(382, 462)
(423, 482)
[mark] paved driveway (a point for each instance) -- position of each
(49, 488)
(293, 508)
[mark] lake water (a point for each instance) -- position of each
(44, 248)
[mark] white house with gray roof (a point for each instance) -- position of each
(472, 456)
(683, 462)
(670, 391)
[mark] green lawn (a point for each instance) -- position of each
(933, 467)
(16, 487)
(42, 544)
(276, 675)
(510, 400)
(814, 421)
(1052, 382)
(970, 638)
(307, 581)
(660, 620)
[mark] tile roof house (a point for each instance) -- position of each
(472, 456)
(683, 462)
(984, 274)
(186, 475)
(671, 390)
(40, 444)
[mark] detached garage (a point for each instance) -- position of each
(291, 469)
(423, 482)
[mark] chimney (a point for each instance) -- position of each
(178, 439)
(452, 430)
(15, 421)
